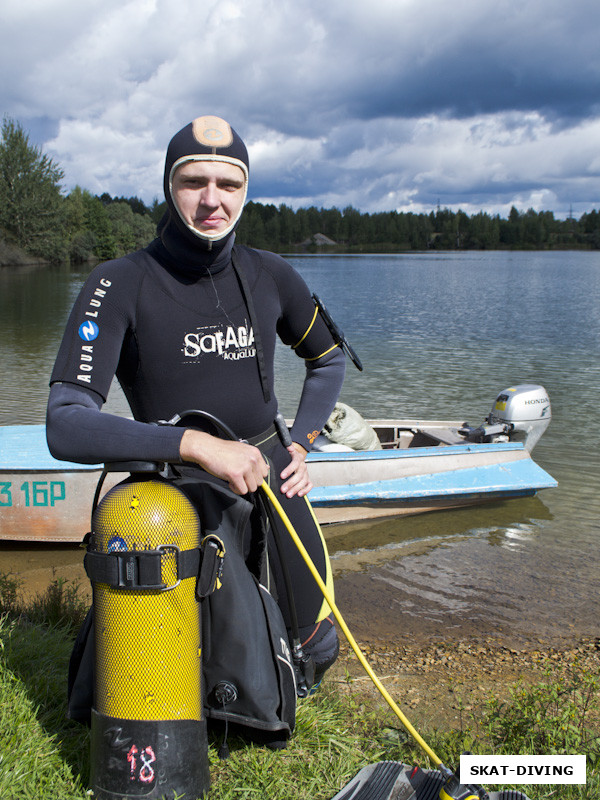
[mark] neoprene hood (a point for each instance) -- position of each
(207, 138)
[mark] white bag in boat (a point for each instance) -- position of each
(346, 426)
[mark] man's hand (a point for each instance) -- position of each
(240, 464)
(295, 475)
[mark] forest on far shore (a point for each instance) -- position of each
(37, 219)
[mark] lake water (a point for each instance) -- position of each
(439, 335)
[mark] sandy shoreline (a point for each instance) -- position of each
(439, 685)
(437, 670)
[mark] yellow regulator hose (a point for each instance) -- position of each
(352, 641)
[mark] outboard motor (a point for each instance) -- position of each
(520, 414)
(526, 410)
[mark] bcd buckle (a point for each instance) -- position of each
(133, 570)
(211, 569)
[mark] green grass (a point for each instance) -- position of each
(559, 715)
(41, 753)
(45, 756)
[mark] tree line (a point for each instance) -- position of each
(37, 217)
(282, 229)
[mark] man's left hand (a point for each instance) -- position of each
(295, 475)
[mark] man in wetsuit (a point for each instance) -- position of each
(191, 322)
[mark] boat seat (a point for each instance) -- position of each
(447, 436)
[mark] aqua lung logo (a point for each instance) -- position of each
(90, 330)
(230, 343)
(116, 544)
(97, 298)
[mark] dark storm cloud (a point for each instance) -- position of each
(490, 58)
(394, 104)
(474, 85)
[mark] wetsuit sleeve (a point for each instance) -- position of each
(322, 385)
(77, 430)
(99, 322)
(102, 319)
(302, 327)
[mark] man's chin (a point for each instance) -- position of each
(211, 233)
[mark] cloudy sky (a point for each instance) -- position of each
(388, 104)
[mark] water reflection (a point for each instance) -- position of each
(37, 565)
(516, 538)
(34, 306)
(458, 583)
(439, 334)
(492, 520)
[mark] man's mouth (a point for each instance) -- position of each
(210, 222)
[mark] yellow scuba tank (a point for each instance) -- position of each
(148, 731)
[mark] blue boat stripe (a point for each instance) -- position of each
(23, 447)
(414, 452)
(512, 477)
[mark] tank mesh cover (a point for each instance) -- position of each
(148, 642)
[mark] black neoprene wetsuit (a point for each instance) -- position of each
(180, 338)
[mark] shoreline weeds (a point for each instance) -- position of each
(440, 683)
(439, 675)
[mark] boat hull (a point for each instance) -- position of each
(53, 502)
(396, 482)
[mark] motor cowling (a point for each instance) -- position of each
(525, 411)
(148, 735)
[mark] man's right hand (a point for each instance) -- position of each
(238, 463)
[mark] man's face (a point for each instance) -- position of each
(208, 194)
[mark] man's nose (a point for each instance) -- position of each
(209, 195)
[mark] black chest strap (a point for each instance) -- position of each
(247, 295)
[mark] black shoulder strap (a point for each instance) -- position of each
(247, 295)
